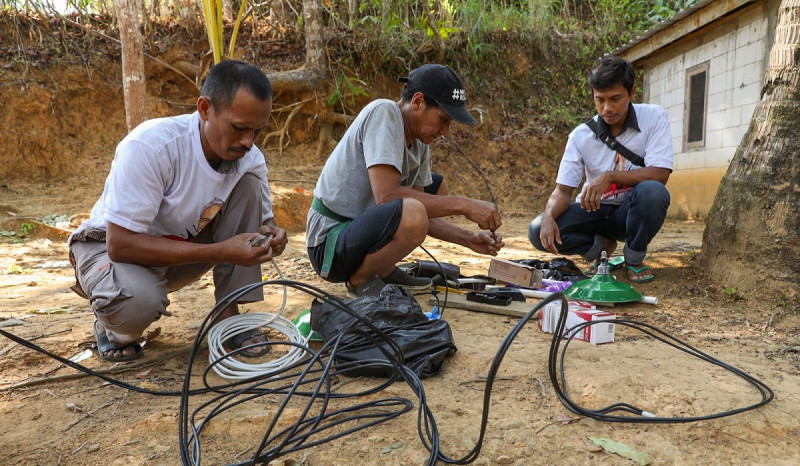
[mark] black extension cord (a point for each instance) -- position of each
(637, 415)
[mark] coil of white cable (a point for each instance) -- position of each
(234, 368)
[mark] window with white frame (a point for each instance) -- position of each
(694, 121)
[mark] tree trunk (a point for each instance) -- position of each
(314, 72)
(133, 78)
(277, 12)
(752, 236)
(315, 43)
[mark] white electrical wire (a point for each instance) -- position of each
(235, 369)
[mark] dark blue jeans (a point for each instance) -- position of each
(636, 222)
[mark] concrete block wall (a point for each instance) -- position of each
(737, 61)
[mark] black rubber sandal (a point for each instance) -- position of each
(237, 341)
(104, 345)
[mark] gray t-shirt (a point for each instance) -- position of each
(376, 137)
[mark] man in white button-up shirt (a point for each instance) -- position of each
(620, 200)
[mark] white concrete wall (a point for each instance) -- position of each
(737, 61)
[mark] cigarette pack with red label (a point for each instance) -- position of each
(578, 313)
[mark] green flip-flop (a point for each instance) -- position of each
(638, 271)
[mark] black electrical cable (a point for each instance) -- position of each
(478, 169)
(430, 437)
(86, 370)
(292, 438)
(439, 305)
(392, 352)
(638, 415)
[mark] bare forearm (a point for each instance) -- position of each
(634, 177)
(155, 251)
(444, 230)
(437, 206)
(557, 203)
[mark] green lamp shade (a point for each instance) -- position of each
(602, 288)
(303, 323)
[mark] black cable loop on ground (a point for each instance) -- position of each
(558, 378)
(292, 438)
(390, 350)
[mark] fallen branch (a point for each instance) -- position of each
(771, 319)
(560, 421)
(89, 414)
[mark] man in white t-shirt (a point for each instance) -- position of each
(620, 200)
(370, 205)
(184, 195)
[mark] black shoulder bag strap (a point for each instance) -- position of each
(613, 144)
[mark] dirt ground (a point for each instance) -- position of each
(51, 415)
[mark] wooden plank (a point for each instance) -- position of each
(459, 301)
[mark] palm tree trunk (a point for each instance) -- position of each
(752, 236)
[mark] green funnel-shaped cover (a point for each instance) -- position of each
(303, 323)
(602, 288)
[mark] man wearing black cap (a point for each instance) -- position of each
(370, 208)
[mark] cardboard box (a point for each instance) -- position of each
(515, 273)
(578, 313)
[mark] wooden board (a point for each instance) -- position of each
(459, 301)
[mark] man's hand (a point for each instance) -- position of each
(484, 242)
(549, 234)
(242, 252)
(279, 238)
(590, 199)
(485, 214)
(239, 250)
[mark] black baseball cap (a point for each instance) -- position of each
(441, 84)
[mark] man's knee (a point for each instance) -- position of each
(534, 229)
(127, 317)
(414, 222)
(652, 193)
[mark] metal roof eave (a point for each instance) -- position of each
(684, 22)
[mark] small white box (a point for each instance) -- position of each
(578, 313)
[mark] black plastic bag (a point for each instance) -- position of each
(424, 343)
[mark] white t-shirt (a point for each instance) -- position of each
(376, 137)
(585, 154)
(161, 184)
